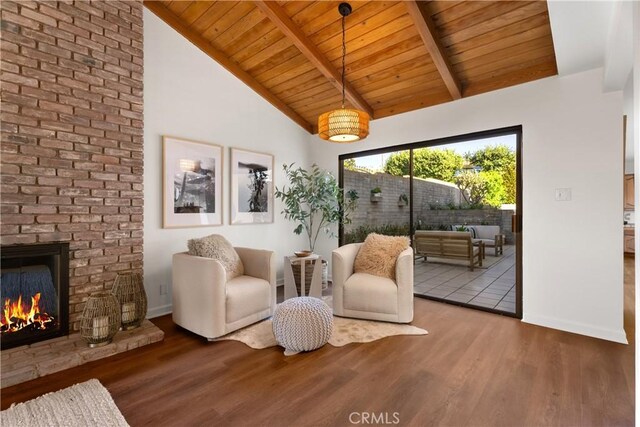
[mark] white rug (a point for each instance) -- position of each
(84, 404)
(345, 331)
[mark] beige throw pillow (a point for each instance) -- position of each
(217, 247)
(378, 255)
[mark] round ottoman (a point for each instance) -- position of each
(302, 324)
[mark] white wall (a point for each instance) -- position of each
(572, 137)
(631, 119)
(189, 95)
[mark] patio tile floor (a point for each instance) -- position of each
(492, 287)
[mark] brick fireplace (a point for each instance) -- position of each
(72, 136)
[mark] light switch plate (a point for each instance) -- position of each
(563, 194)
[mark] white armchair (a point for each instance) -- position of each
(205, 303)
(365, 296)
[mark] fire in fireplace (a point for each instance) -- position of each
(34, 287)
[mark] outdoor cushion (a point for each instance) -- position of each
(487, 231)
(468, 228)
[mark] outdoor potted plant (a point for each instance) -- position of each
(315, 202)
(376, 195)
(403, 200)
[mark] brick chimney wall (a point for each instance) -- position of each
(72, 133)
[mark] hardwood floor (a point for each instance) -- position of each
(474, 368)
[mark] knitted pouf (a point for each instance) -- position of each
(302, 324)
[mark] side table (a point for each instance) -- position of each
(315, 289)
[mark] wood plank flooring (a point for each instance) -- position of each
(474, 368)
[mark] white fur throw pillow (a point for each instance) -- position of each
(378, 255)
(217, 247)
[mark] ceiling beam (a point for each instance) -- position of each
(174, 22)
(280, 19)
(428, 32)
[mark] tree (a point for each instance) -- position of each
(496, 193)
(427, 163)
(473, 187)
(481, 188)
(350, 164)
(493, 158)
(509, 180)
(314, 201)
(500, 159)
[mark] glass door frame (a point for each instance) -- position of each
(517, 222)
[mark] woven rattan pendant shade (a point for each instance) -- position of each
(343, 125)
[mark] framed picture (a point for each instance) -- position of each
(192, 183)
(251, 187)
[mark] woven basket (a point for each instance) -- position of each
(132, 298)
(100, 319)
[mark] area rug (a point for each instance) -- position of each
(345, 331)
(84, 404)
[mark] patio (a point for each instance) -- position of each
(490, 286)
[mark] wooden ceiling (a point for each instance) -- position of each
(401, 56)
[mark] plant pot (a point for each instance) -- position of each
(376, 197)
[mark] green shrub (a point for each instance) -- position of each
(360, 233)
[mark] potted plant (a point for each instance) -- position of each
(403, 200)
(315, 202)
(376, 195)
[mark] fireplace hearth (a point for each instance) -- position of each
(34, 291)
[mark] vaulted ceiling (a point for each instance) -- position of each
(401, 56)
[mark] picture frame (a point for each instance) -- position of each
(252, 187)
(191, 183)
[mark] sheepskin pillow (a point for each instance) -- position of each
(217, 247)
(378, 255)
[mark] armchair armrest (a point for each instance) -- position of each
(404, 281)
(198, 293)
(342, 260)
(258, 263)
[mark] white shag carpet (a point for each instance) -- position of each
(84, 404)
(345, 331)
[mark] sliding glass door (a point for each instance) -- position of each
(459, 200)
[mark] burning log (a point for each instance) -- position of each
(16, 316)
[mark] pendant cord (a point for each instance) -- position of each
(344, 54)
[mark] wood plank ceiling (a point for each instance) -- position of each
(401, 56)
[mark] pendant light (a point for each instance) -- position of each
(343, 124)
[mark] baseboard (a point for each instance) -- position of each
(159, 311)
(618, 336)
